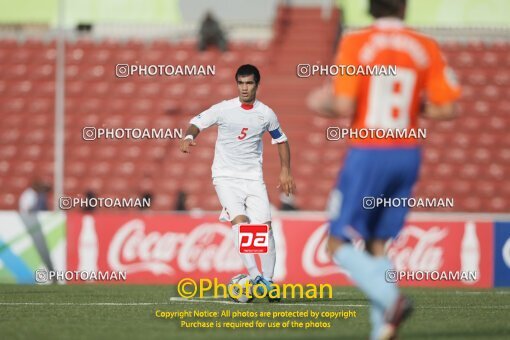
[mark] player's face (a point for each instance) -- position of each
(247, 88)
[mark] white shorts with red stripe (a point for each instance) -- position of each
(243, 197)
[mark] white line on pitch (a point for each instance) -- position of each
(184, 300)
(179, 299)
(503, 292)
(81, 303)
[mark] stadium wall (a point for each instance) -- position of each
(444, 13)
(164, 248)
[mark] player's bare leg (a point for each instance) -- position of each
(240, 219)
(248, 259)
(376, 247)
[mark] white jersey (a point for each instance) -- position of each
(238, 151)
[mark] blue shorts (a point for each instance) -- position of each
(377, 173)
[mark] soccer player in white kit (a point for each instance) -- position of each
(237, 166)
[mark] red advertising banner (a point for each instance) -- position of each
(163, 249)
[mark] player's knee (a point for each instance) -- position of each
(333, 245)
(240, 219)
(376, 247)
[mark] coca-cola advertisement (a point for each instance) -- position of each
(458, 248)
(154, 249)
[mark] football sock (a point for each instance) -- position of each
(248, 259)
(268, 260)
(376, 320)
(389, 290)
(368, 273)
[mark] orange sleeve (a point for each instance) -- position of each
(346, 55)
(441, 83)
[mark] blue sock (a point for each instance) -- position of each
(391, 291)
(377, 320)
(368, 273)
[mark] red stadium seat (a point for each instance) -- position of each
(467, 158)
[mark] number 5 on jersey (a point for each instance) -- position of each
(243, 134)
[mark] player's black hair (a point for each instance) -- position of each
(248, 70)
(386, 8)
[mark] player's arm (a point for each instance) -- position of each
(442, 88)
(286, 180)
(189, 139)
(326, 104)
(440, 112)
(338, 99)
(201, 121)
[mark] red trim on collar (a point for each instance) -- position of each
(247, 106)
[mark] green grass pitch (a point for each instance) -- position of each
(128, 312)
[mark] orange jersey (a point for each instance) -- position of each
(393, 101)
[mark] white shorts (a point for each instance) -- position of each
(243, 197)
